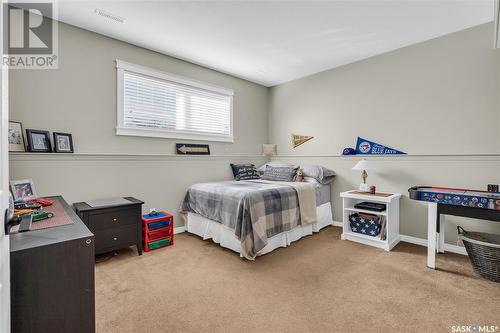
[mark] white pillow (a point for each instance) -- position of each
(321, 174)
(311, 180)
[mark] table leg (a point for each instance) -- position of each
(431, 234)
(344, 220)
(441, 234)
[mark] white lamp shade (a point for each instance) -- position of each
(269, 149)
(362, 165)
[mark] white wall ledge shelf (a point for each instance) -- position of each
(415, 157)
(15, 156)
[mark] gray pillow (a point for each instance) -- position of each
(282, 174)
(262, 168)
(318, 172)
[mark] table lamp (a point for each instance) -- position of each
(269, 149)
(363, 165)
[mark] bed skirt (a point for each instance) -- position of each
(220, 234)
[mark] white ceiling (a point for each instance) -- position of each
(271, 42)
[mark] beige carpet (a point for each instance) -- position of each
(319, 284)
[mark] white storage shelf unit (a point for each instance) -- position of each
(391, 216)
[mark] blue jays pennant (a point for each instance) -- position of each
(367, 147)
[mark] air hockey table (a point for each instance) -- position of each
(443, 201)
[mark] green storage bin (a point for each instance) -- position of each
(159, 243)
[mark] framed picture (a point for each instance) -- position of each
(38, 141)
(16, 137)
(63, 143)
(23, 189)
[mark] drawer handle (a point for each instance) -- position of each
(114, 220)
(115, 238)
(88, 241)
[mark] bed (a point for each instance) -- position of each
(255, 217)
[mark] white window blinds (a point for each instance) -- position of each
(162, 105)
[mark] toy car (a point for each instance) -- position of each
(27, 205)
(20, 212)
(41, 215)
(153, 212)
(43, 202)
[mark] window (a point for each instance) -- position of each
(157, 104)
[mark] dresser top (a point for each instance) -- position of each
(35, 238)
(83, 206)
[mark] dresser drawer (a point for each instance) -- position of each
(114, 226)
(116, 238)
(114, 218)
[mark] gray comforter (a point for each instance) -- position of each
(254, 210)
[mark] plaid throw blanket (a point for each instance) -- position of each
(307, 199)
(255, 210)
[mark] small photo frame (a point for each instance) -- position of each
(16, 137)
(63, 143)
(23, 189)
(38, 141)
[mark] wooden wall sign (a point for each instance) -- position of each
(191, 149)
(298, 139)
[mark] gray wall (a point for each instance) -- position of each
(159, 180)
(397, 174)
(80, 98)
(437, 97)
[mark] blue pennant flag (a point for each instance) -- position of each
(367, 147)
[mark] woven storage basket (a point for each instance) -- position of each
(484, 252)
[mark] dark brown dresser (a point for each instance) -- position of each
(52, 278)
(114, 226)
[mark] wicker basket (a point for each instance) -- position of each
(484, 252)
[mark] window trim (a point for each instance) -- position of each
(122, 66)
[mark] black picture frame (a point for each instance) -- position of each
(16, 133)
(33, 136)
(58, 144)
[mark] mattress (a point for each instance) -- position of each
(224, 236)
(323, 194)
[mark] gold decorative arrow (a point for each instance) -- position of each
(298, 139)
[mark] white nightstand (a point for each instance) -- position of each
(391, 215)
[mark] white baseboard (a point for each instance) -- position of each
(178, 230)
(404, 238)
(413, 240)
(422, 242)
